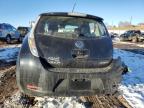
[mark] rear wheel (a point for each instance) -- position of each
(8, 39)
(121, 39)
(134, 39)
(140, 40)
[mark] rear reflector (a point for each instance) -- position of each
(32, 87)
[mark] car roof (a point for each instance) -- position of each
(22, 27)
(134, 30)
(75, 14)
(4, 24)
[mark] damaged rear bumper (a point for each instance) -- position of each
(35, 79)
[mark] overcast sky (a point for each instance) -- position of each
(20, 12)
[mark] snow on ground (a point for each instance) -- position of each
(133, 82)
(9, 53)
(67, 102)
(46, 102)
(116, 39)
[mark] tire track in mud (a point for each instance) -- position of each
(7, 83)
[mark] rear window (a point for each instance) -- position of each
(70, 27)
(22, 29)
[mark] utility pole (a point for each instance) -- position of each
(112, 27)
(131, 20)
(112, 23)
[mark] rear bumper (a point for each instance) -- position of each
(34, 78)
(67, 82)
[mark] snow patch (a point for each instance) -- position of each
(133, 82)
(116, 39)
(59, 102)
(9, 54)
(45, 102)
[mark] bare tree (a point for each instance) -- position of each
(124, 24)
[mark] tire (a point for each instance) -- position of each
(8, 39)
(134, 39)
(140, 40)
(121, 39)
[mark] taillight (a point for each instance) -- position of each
(32, 44)
(31, 40)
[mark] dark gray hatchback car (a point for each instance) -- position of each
(68, 54)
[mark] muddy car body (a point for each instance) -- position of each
(68, 54)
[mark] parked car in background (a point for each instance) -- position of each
(113, 35)
(23, 31)
(68, 54)
(8, 33)
(132, 35)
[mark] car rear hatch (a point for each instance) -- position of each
(67, 49)
(61, 52)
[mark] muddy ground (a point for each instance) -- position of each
(137, 48)
(7, 83)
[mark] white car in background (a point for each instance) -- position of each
(9, 33)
